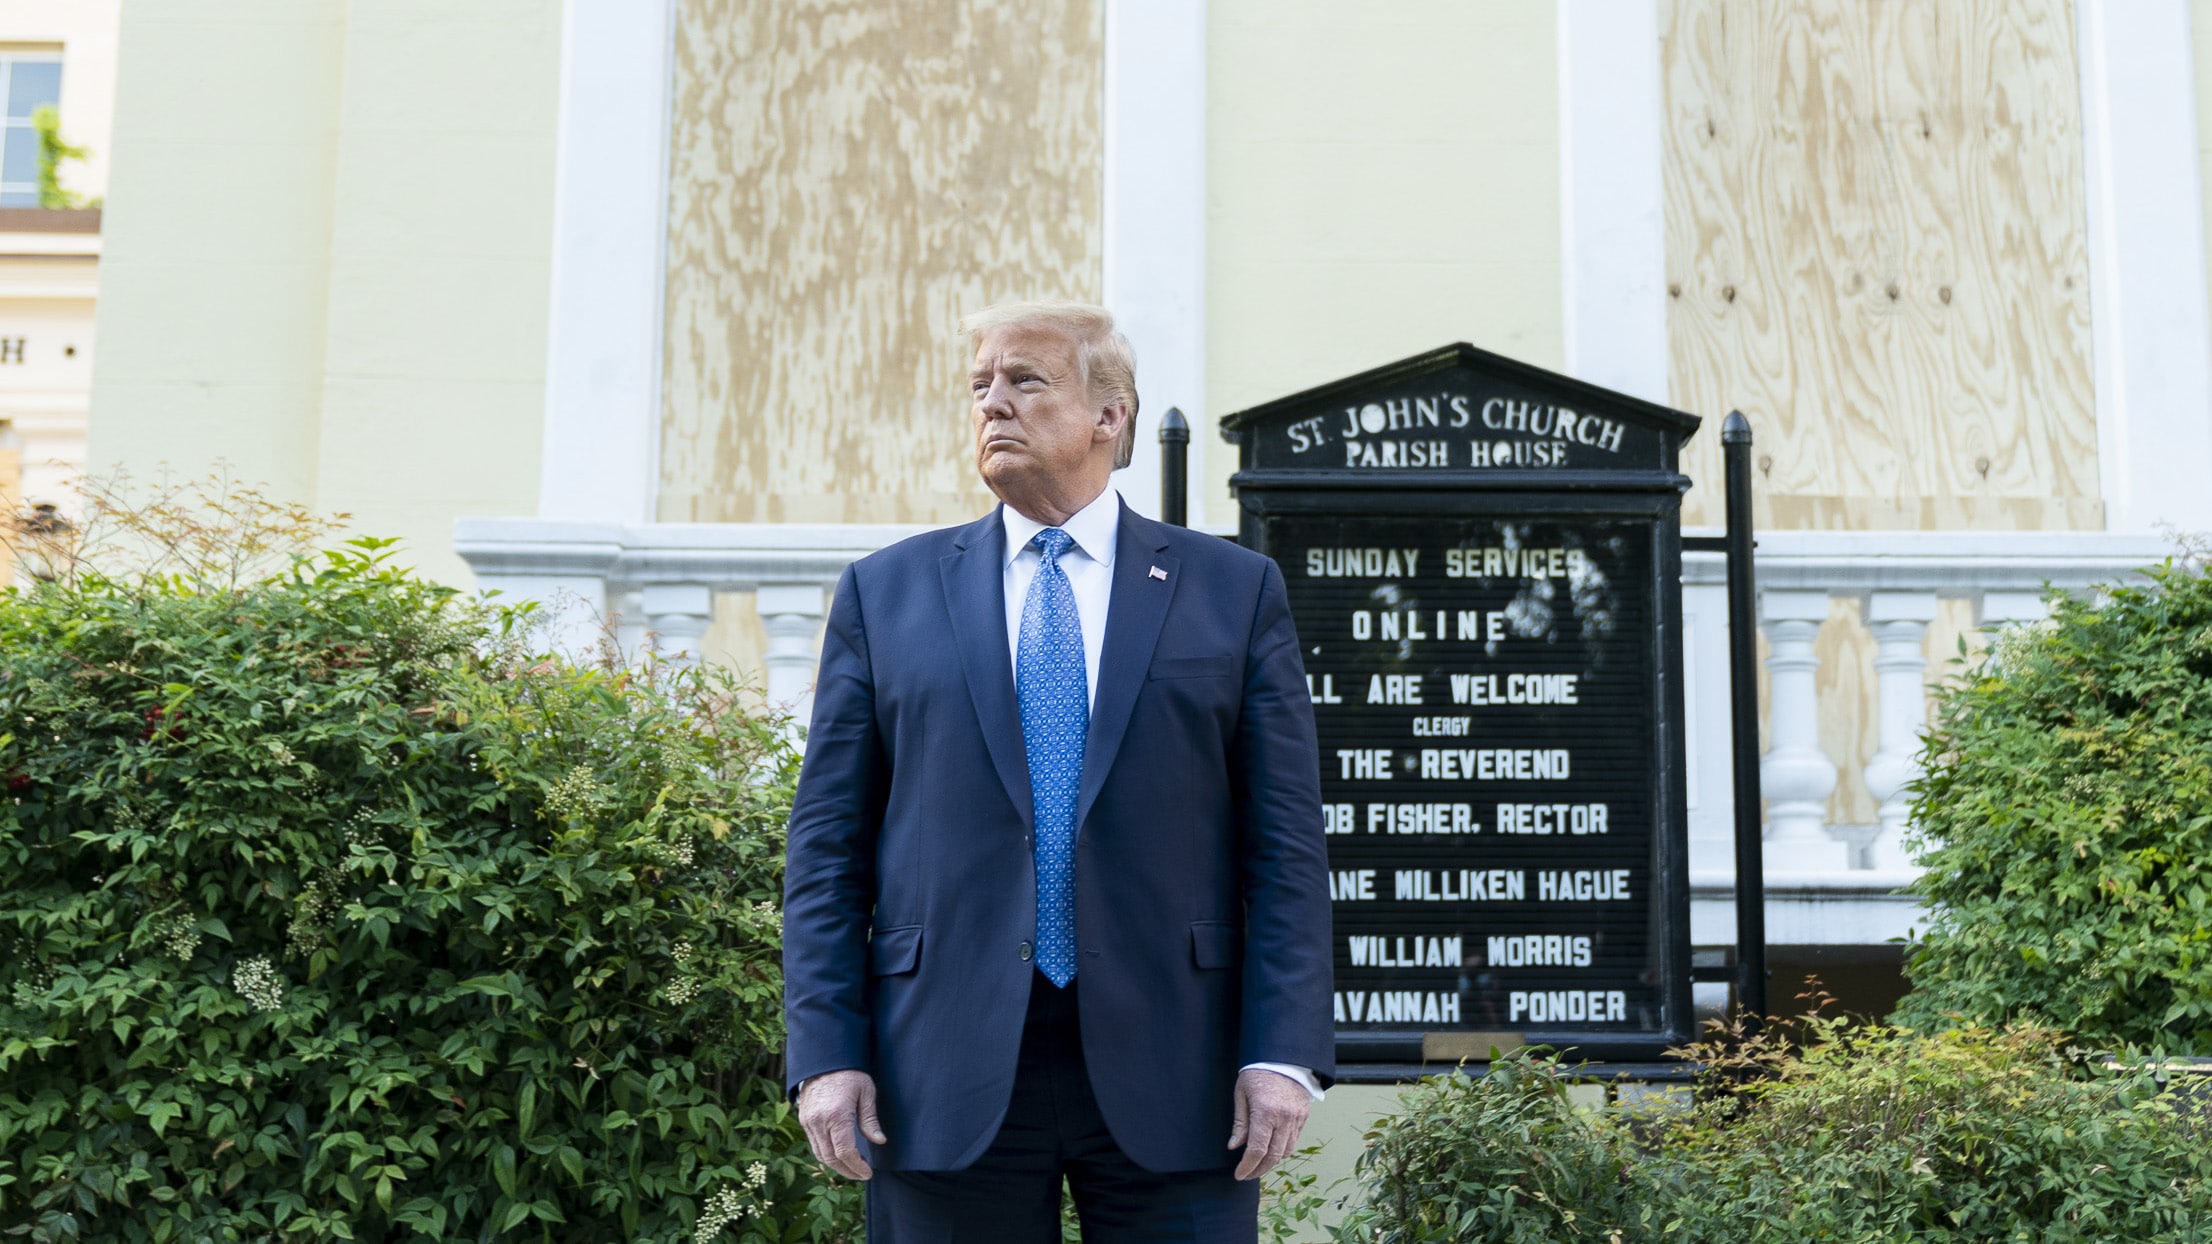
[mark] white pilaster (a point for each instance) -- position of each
(1998, 608)
(610, 211)
(1707, 727)
(792, 615)
(1796, 776)
(626, 609)
(677, 615)
(1612, 222)
(2150, 329)
(1899, 621)
(561, 567)
(1155, 222)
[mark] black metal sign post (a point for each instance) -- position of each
(1174, 468)
(1743, 692)
(1484, 561)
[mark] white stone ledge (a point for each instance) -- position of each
(1856, 908)
(721, 556)
(1948, 563)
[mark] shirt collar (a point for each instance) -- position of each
(1094, 528)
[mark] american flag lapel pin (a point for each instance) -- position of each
(1159, 574)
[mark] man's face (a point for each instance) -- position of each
(1036, 431)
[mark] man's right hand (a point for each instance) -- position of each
(829, 1106)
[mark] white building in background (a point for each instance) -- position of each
(655, 299)
(58, 54)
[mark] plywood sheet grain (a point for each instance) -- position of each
(1876, 249)
(848, 178)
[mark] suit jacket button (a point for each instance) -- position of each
(1024, 952)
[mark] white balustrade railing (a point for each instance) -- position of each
(655, 585)
(652, 585)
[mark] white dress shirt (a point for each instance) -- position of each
(1089, 563)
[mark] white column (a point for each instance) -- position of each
(1612, 223)
(1155, 225)
(1899, 621)
(792, 615)
(677, 615)
(610, 213)
(2150, 330)
(1796, 776)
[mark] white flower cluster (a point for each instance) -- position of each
(258, 982)
(681, 953)
(31, 991)
(279, 752)
(682, 990)
(310, 913)
(180, 936)
(576, 794)
(680, 852)
(728, 1205)
(767, 913)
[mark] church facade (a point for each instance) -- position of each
(648, 307)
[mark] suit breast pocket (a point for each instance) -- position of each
(1192, 667)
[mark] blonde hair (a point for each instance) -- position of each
(1105, 361)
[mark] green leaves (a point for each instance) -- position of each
(2064, 818)
(464, 1016)
(1862, 1134)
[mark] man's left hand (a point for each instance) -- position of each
(1270, 1112)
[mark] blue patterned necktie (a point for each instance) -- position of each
(1054, 691)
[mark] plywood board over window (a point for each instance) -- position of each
(1876, 249)
(848, 177)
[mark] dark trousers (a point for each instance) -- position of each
(1053, 1129)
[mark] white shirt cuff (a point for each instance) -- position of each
(1303, 1075)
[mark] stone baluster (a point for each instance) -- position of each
(677, 615)
(792, 615)
(1796, 775)
(630, 637)
(1899, 621)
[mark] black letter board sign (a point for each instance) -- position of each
(1484, 561)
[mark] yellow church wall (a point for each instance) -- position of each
(327, 255)
(1381, 180)
(216, 241)
(441, 236)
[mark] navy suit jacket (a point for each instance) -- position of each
(1201, 883)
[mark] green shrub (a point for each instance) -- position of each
(2065, 822)
(1866, 1134)
(326, 911)
(1874, 1133)
(1497, 1157)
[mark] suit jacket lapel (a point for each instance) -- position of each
(1134, 614)
(975, 597)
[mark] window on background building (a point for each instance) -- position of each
(28, 81)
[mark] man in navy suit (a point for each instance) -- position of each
(1056, 898)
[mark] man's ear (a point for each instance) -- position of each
(1110, 421)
